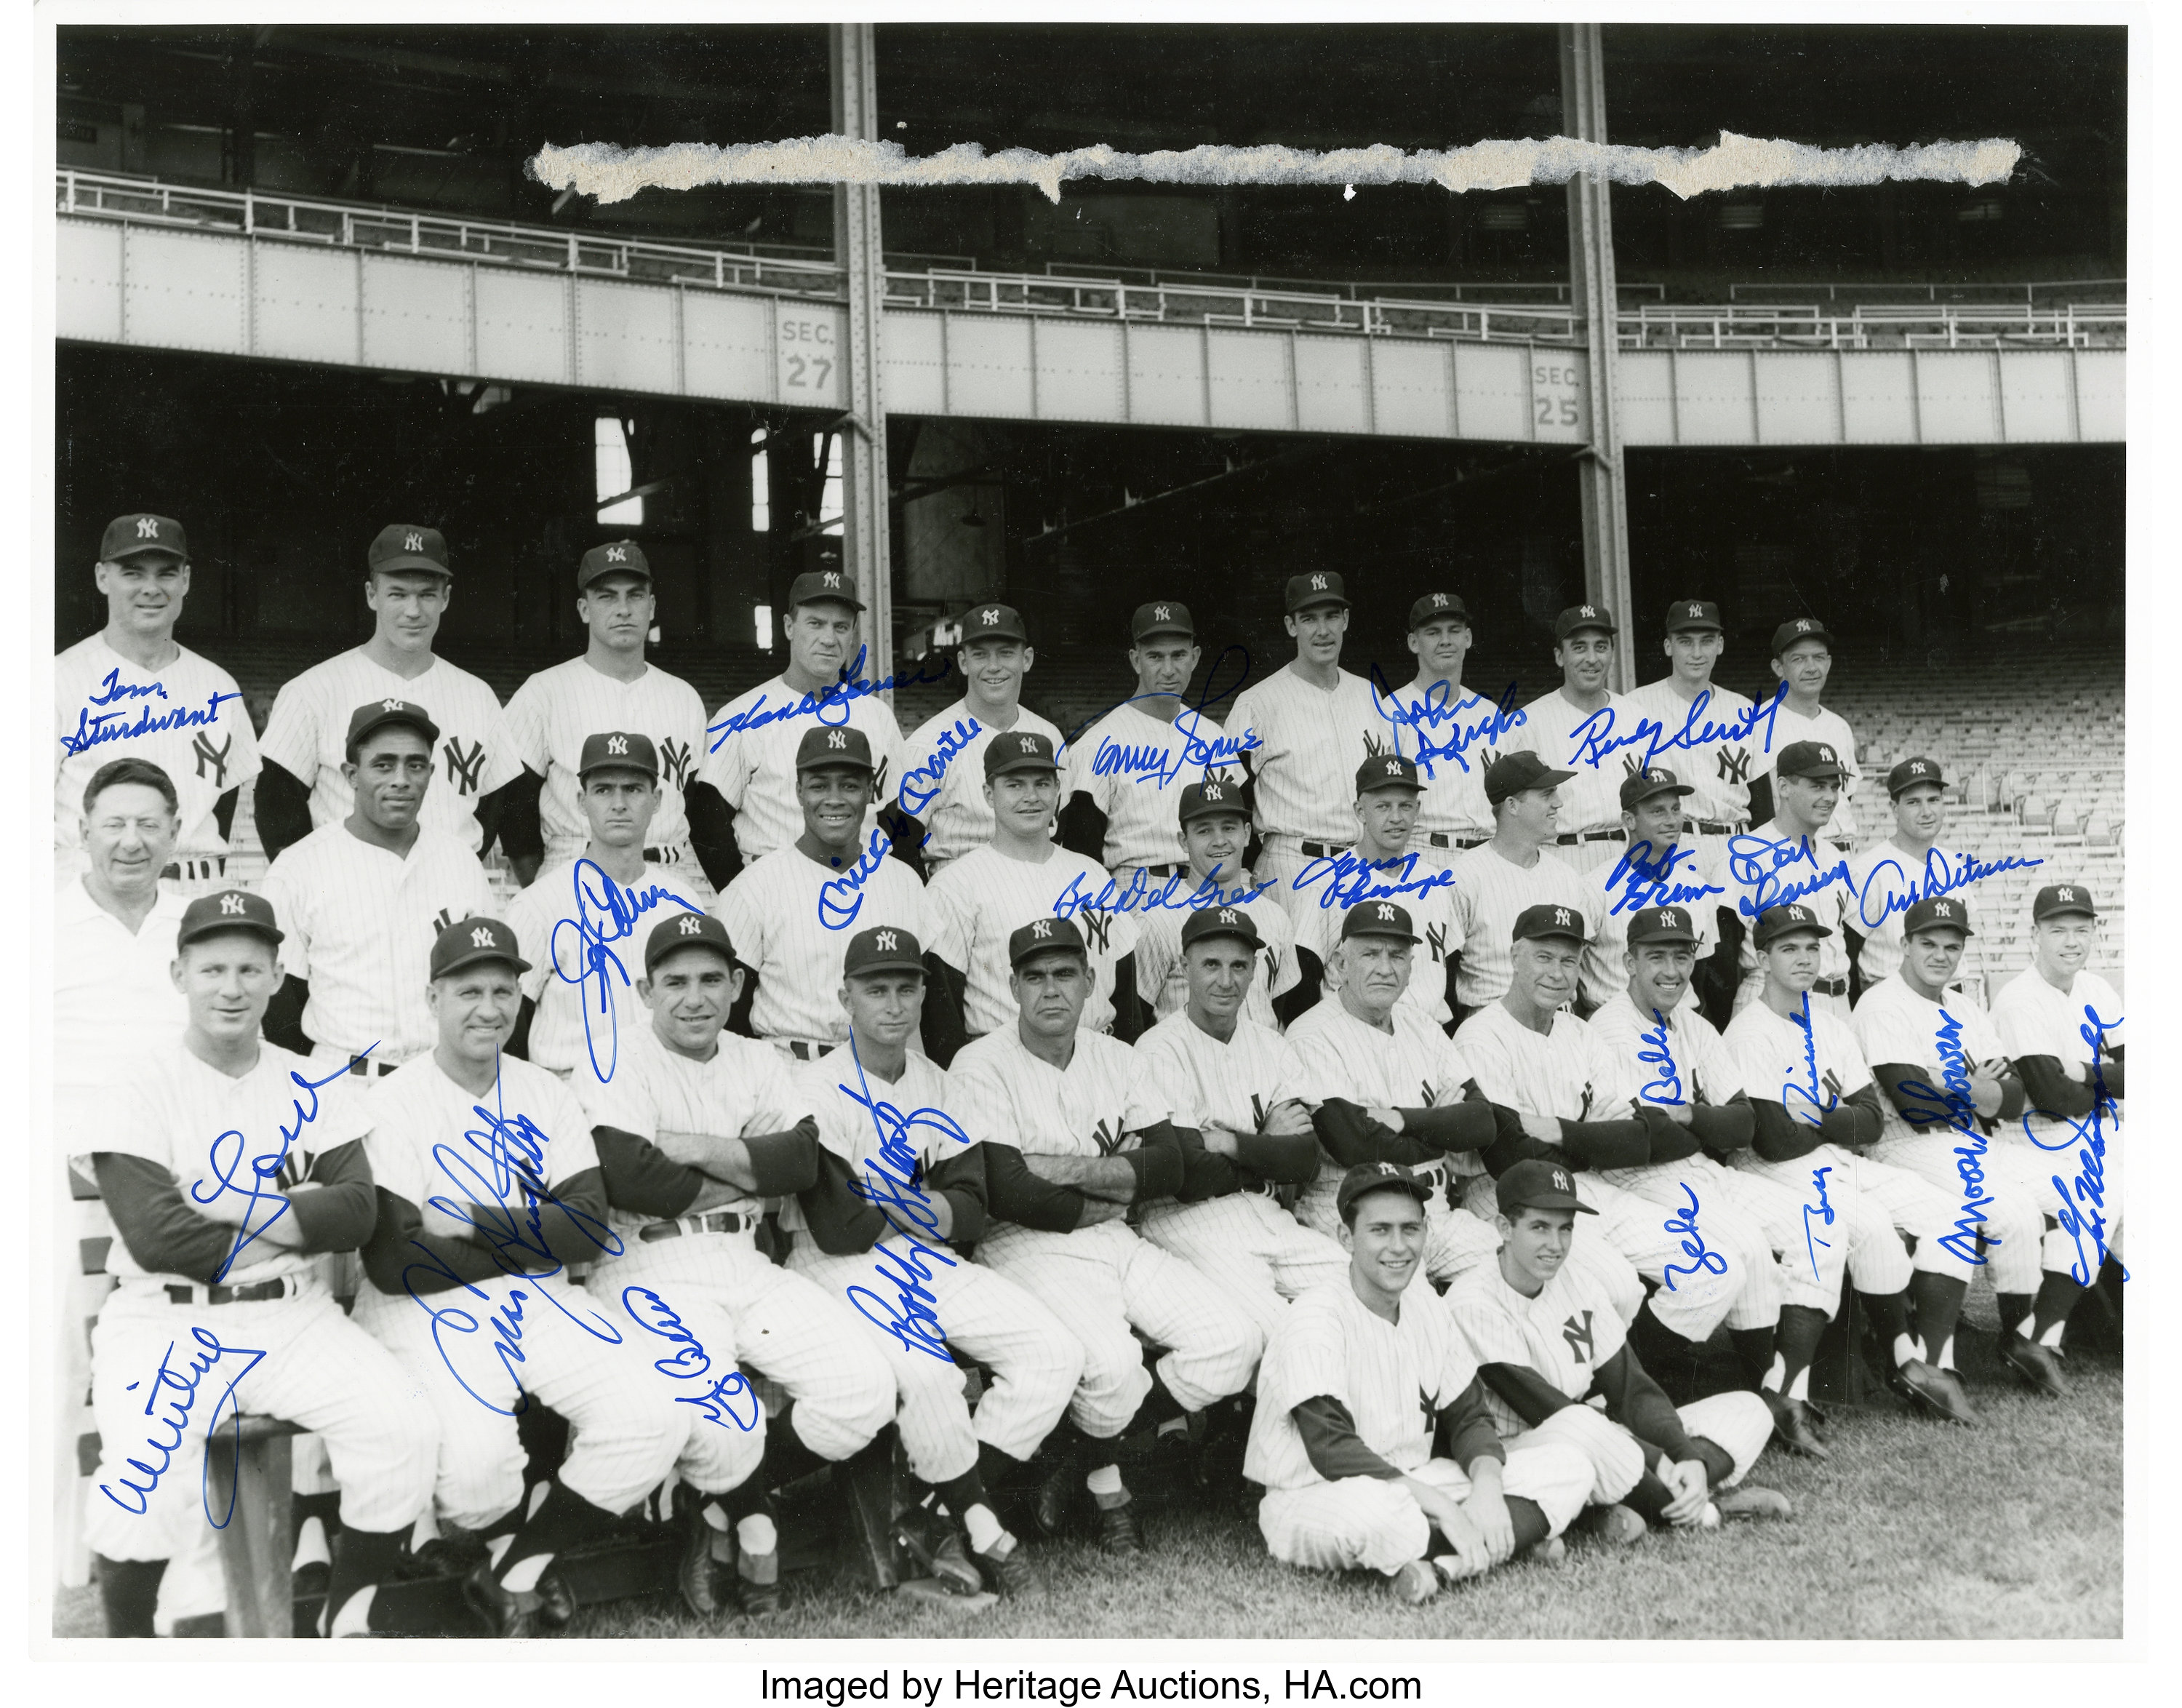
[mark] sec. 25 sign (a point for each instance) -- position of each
(807, 357)
(1556, 396)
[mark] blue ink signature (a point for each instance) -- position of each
(1138, 894)
(1956, 1108)
(1811, 1062)
(952, 742)
(1669, 1083)
(1644, 884)
(90, 731)
(603, 915)
(1431, 709)
(835, 698)
(184, 1384)
(273, 1166)
(1755, 861)
(691, 1362)
(1938, 879)
(1592, 746)
(1703, 1258)
(836, 913)
(1196, 749)
(116, 690)
(2088, 1188)
(1823, 1210)
(1345, 880)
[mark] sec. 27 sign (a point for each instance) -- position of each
(807, 357)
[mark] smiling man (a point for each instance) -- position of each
(1786, 857)
(1658, 867)
(1562, 729)
(1802, 657)
(1452, 733)
(1910, 866)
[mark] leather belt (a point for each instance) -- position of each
(1707, 827)
(666, 856)
(363, 1067)
(1574, 837)
(1831, 987)
(195, 1294)
(1323, 851)
(1171, 869)
(1440, 838)
(808, 1049)
(712, 1222)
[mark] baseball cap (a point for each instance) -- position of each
(2057, 899)
(1387, 771)
(1162, 617)
(814, 585)
(1433, 606)
(227, 910)
(377, 714)
(1583, 616)
(1547, 920)
(1801, 628)
(1019, 750)
(1685, 615)
(882, 949)
(1219, 922)
(681, 931)
(1378, 919)
(1214, 795)
(1779, 921)
(409, 546)
(1377, 1177)
(469, 941)
(140, 531)
(822, 744)
(1938, 909)
(1043, 936)
(617, 750)
(1518, 773)
(1535, 1184)
(991, 623)
(615, 558)
(1320, 587)
(1653, 779)
(1810, 759)
(1911, 772)
(1660, 925)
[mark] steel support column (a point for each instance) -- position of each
(1591, 292)
(865, 553)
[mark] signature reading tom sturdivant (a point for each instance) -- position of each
(107, 726)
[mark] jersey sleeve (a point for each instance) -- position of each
(979, 1099)
(137, 1121)
(291, 733)
(573, 1151)
(625, 1102)
(1856, 1069)
(525, 721)
(741, 909)
(478, 899)
(291, 912)
(1076, 772)
(778, 1100)
(951, 911)
(1490, 1065)
(1718, 1073)
(534, 938)
(394, 1145)
(235, 715)
(727, 765)
(1148, 1098)
(1489, 1334)
(1306, 1358)
(503, 764)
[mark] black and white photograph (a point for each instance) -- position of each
(1255, 831)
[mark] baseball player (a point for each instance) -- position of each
(753, 741)
(790, 914)
(1307, 725)
(229, 1165)
(1909, 866)
(939, 795)
(1722, 732)
(131, 691)
(1788, 858)
(1803, 658)
(1937, 1055)
(1572, 730)
(1240, 1087)
(1495, 882)
(1215, 829)
(1075, 1132)
(1382, 864)
(979, 903)
(1115, 787)
(1658, 867)
(406, 584)
(574, 996)
(699, 1132)
(1386, 1086)
(1547, 1341)
(363, 899)
(611, 687)
(1450, 732)
(900, 1199)
(1818, 1114)
(489, 1187)
(1681, 1067)
(1358, 1378)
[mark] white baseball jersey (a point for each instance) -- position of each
(114, 1001)
(584, 943)
(1715, 748)
(1135, 767)
(2033, 1018)
(1761, 868)
(1568, 738)
(1805, 1073)
(308, 735)
(431, 1138)
(1791, 726)
(1092, 1107)
(187, 718)
(177, 1111)
(1698, 1061)
(1689, 875)
(1893, 1023)
(943, 777)
(1884, 882)
(791, 919)
(1491, 892)
(1453, 735)
(1569, 1074)
(1393, 1377)
(1235, 1083)
(1163, 977)
(985, 897)
(1564, 1334)
(750, 758)
(360, 922)
(742, 1090)
(883, 1138)
(1434, 915)
(1306, 744)
(555, 711)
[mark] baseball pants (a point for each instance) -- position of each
(1035, 1362)
(319, 1369)
(1809, 1268)
(1875, 1204)
(1375, 1524)
(2061, 1172)
(1101, 1282)
(628, 1431)
(1738, 1423)
(2020, 1243)
(1727, 1225)
(1698, 1302)
(1258, 1255)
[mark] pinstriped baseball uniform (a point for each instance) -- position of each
(1035, 1363)
(1791, 726)
(942, 780)
(1257, 1252)
(1718, 767)
(791, 919)
(1884, 882)
(1489, 891)
(1568, 738)
(1163, 975)
(553, 712)
(1411, 1065)
(1434, 729)
(1307, 745)
(1762, 867)
(307, 737)
(1135, 767)
(360, 922)
(1571, 1075)
(318, 1369)
(2035, 1019)
(1688, 877)
(750, 758)
(984, 897)
(1100, 1281)
(1433, 912)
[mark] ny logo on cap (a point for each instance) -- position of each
(1560, 916)
(230, 903)
(1696, 610)
(616, 554)
(147, 527)
(1560, 1181)
(616, 744)
(885, 942)
(412, 541)
(1393, 768)
(1586, 611)
(390, 705)
(2064, 894)
(831, 577)
(1226, 916)
(1439, 601)
(1318, 584)
(1388, 1169)
(1029, 744)
(1040, 929)
(836, 738)
(1825, 753)
(1213, 792)
(1943, 910)
(988, 617)
(1386, 910)
(1804, 625)
(1671, 918)
(692, 926)
(1656, 775)
(1159, 613)
(482, 938)
(1916, 767)
(1799, 913)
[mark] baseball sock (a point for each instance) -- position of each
(128, 1590)
(1104, 1482)
(362, 1559)
(1939, 1302)
(1669, 1358)
(2014, 1311)
(1529, 1519)
(965, 1497)
(315, 1546)
(1801, 1327)
(562, 1519)
(1889, 1316)
(786, 1455)
(2058, 1293)
(1755, 1348)
(1649, 1499)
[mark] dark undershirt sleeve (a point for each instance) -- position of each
(1083, 828)
(1471, 1434)
(572, 1221)
(643, 1178)
(942, 1026)
(1336, 1449)
(841, 1223)
(1525, 1392)
(2011, 1098)
(1464, 1126)
(1028, 1200)
(283, 1015)
(155, 1221)
(1724, 1129)
(2047, 1087)
(280, 803)
(1512, 1144)
(1310, 974)
(1607, 1143)
(518, 1040)
(1204, 1174)
(960, 1179)
(1290, 1159)
(521, 833)
(785, 1161)
(401, 1259)
(1914, 1092)
(337, 1212)
(712, 833)
(1130, 1019)
(2110, 1078)
(1350, 1137)
(1856, 1122)
(1670, 1141)
(1778, 1136)
(1156, 1162)
(1633, 1400)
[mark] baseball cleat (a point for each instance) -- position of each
(758, 1583)
(1117, 1529)
(2038, 1366)
(1617, 1526)
(698, 1576)
(311, 1579)
(1791, 1427)
(1552, 1554)
(1452, 1570)
(557, 1602)
(1931, 1390)
(1007, 1572)
(1056, 1496)
(932, 1542)
(1746, 1502)
(1416, 1582)
(502, 1613)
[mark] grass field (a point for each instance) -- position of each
(1913, 1529)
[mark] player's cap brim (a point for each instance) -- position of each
(883, 963)
(1028, 761)
(411, 560)
(218, 927)
(1380, 931)
(1656, 790)
(505, 957)
(1835, 772)
(689, 945)
(147, 548)
(1550, 1200)
(1773, 937)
